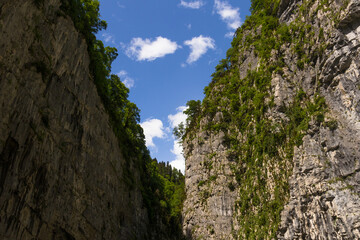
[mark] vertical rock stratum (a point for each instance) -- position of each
(61, 167)
(272, 152)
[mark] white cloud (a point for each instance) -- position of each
(189, 26)
(129, 82)
(153, 128)
(199, 46)
(229, 34)
(192, 4)
(175, 120)
(179, 161)
(179, 117)
(228, 14)
(146, 49)
(124, 77)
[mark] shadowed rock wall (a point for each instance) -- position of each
(61, 169)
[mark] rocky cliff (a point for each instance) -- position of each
(273, 152)
(62, 174)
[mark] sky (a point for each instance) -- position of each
(168, 50)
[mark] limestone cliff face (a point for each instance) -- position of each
(322, 174)
(61, 168)
(209, 204)
(325, 185)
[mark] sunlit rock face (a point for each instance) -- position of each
(323, 196)
(61, 167)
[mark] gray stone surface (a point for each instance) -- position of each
(324, 188)
(209, 205)
(61, 169)
(324, 185)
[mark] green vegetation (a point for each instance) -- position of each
(162, 186)
(166, 196)
(332, 124)
(231, 186)
(201, 183)
(262, 148)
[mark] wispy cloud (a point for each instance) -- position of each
(108, 38)
(153, 128)
(199, 46)
(124, 77)
(119, 4)
(192, 4)
(122, 73)
(229, 14)
(149, 50)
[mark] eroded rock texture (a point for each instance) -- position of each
(209, 204)
(324, 188)
(324, 183)
(61, 169)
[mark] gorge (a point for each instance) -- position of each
(272, 151)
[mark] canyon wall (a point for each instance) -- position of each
(274, 152)
(62, 173)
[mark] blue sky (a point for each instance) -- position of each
(168, 50)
